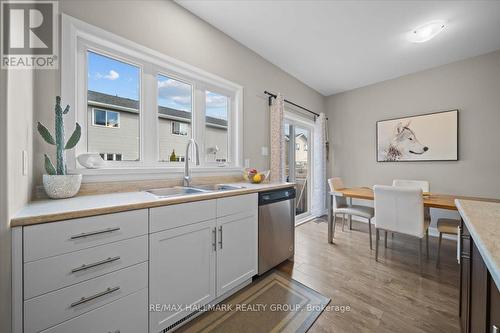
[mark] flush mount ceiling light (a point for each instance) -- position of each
(426, 32)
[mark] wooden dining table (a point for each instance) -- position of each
(431, 200)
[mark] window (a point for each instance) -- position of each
(113, 84)
(180, 128)
(297, 146)
(216, 127)
(111, 156)
(141, 108)
(106, 118)
(305, 147)
(175, 103)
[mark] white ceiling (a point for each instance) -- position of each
(334, 46)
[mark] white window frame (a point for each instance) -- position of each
(78, 37)
(106, 119)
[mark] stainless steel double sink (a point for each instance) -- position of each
(191, 190)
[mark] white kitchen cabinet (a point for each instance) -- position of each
(236, 250)
(182, 272)
(125, 315)
(60, 305)
(198, 263)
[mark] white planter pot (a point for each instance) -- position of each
(62, 186)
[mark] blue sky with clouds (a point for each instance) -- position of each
(113, 77)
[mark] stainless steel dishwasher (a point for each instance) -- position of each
(276, 227)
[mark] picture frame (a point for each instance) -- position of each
(419, 138)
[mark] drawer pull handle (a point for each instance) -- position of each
(87, 299)
(93, 233)
(214, 235)
(98, 263)
(220, 239)
(117, 331)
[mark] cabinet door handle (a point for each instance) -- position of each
(220, 238)
(459, 240)
(214, 239)
(95, 264)
(89, 298)
(495, 329)
(93, 233)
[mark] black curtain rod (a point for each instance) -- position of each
(271, 95)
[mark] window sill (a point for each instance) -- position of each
(145, 173)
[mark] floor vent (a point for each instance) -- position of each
(177, 323)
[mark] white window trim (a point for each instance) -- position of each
(75, 32)
(106, 121)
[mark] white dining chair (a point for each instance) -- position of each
(400, 210)
(422, 184)
(340, 206)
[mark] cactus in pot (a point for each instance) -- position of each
(57, 183)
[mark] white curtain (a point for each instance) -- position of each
(277, 139)
(320, 140)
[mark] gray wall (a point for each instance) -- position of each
(170, 29)
(472, 86)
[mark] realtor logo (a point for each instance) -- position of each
(29, 34)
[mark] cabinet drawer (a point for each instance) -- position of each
(126, 315)
(168, 217)
(45, 240)
(53, 273)
(53, 308)
(236, 204)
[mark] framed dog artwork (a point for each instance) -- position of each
(426, 137)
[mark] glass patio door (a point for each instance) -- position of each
(298, 164)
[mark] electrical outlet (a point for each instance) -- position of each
(25, 163)
(264, 151)
(247, 163)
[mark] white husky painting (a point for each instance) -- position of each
(421, 138)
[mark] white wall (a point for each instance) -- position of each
(4, 213)
(16, 188)
(172, 30)
(472, 86)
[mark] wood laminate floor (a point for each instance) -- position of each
(385, 296)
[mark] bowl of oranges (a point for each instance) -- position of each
(254, 176)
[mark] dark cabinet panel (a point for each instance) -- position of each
(464, 294)
(478, 292)
(494, 324)
(465, 273)
(479, 295)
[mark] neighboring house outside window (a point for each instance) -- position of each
(174, 130)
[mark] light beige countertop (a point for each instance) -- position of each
(483, 221)
(47, 210)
